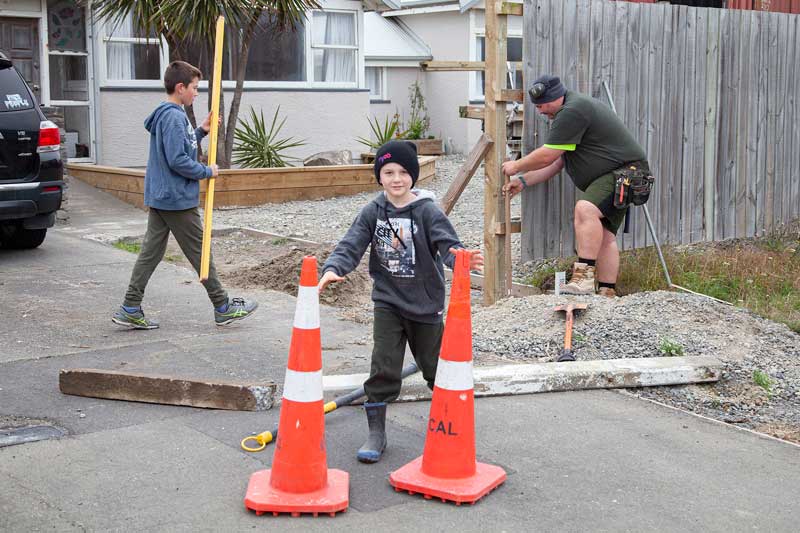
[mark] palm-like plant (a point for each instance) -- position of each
(258, 148)
(184, 21)
(383, 133)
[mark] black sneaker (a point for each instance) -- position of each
(238, 309)
(133, 320)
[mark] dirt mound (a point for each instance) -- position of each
(283, 272)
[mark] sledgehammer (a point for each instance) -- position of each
(268, 436)
(571, 310)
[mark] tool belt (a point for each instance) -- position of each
(633, 183)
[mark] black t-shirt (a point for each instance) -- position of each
(601, 141)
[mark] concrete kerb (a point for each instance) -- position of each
(505, 380)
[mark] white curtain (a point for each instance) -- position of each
(339, 64)
(120, 59)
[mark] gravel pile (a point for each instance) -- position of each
(639, 325)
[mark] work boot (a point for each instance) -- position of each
(135, 320)
(372, 450)
(238, 309)
(582, 280)
(608, 292)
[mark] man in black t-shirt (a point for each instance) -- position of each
(588, 140)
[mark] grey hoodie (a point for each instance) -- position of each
(409, 245)
(171, 179)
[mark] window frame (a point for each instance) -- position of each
(329, 6)
(477, 34)
(383, 76)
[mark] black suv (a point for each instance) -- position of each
(31, 171)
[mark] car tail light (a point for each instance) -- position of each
(51, 189)
(49, 137)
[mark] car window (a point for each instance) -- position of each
(14, 94)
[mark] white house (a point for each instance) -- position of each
(109, 79)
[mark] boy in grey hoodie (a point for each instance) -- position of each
(172, 193)
(410, 237)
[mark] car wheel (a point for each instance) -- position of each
(23, 239)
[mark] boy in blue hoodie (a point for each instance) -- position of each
(172, 194)
(410, 237)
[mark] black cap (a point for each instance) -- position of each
(545, 89)
(403, 153)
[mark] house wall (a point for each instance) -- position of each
(327, 120)
(448, 35)
(30, 6)
(398, 80)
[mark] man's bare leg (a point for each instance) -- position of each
(608, 259)
(588, 229)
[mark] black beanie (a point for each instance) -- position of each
(403, 153)
(553, 89)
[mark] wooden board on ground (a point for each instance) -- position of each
(169, 390)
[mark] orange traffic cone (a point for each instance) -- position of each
(300, 481)
(447, 468)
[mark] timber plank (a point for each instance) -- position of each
(465, 173)
(168, 390)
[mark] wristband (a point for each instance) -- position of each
(522, 180)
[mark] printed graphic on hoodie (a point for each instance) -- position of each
(190, 133)
(395, 249)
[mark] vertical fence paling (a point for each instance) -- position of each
(713, 95)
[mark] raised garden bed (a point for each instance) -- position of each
(241, 187)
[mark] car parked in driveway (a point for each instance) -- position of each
(31, 170)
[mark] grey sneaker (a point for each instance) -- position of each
(133, 320)
(238, 309)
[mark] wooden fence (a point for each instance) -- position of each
(713, 95)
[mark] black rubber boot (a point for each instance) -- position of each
(372, 450)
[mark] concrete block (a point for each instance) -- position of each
(552, 377)
(167, 390)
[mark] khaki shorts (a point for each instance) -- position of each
(601, 193)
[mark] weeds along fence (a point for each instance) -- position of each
(713, 95)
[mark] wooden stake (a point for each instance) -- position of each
(205, 257)
(461, 180)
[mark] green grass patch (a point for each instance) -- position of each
(670, 348)
(280, 241)
(129, 246)
(763, 380)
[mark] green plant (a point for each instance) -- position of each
(383, 133)
(280, 241)
(670, 348)
(418, 120)
(257, 147)
(128, 246)
(763, 380)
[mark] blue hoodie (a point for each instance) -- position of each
(171, 179)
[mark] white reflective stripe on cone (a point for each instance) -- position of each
(302, 386)
(454, 375)
(306, 314)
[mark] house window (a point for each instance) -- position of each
(513, 53)
(334, 46)
(376, 82)
(129, 54)
(277, 55)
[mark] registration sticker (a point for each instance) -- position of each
(15, 101)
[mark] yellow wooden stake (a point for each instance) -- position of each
(205, 258)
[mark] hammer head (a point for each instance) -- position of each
(573, 307)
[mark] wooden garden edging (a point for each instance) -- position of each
(242, 187)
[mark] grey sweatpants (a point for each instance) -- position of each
(188, 231)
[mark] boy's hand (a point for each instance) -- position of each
(206, 125)
(475, 259)
(214, 170)
(328, 277)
